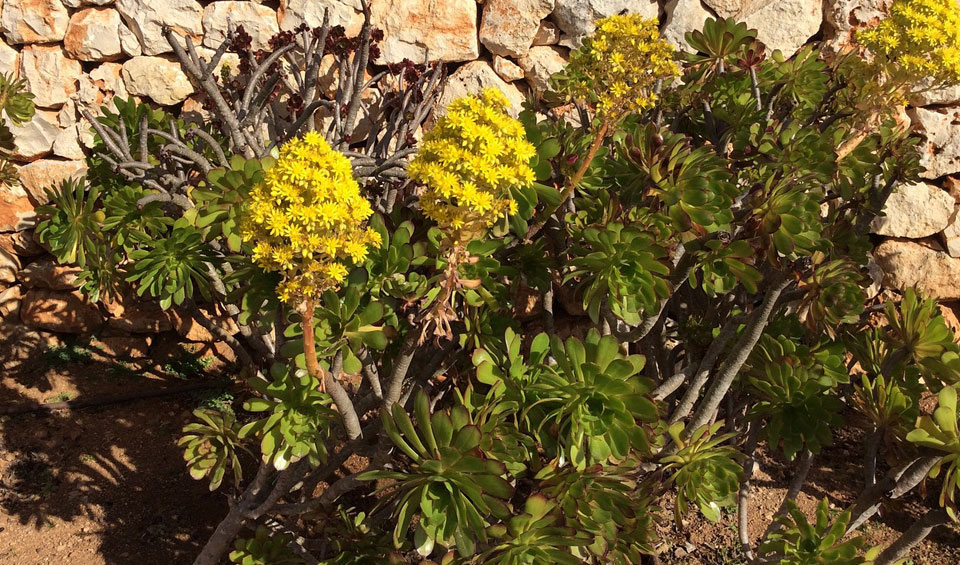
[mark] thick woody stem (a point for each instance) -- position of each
(574, 181)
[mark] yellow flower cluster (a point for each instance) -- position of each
(471, 159)
(620, 63)
(920, 38)
(307, 217)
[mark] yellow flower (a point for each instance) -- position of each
(470, 161)
(307, 219)
(620, 63)
(920, 40)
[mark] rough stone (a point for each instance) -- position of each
(940, 151)
(134, 316)
(735, 8)
(51, 76)
(94, 35)
(46, 173)
(9, 266)
(786, 24)
(508, 27)
(47, 273)
(447, 29)
(951, 236)
(16, 210)
(540, 63)
(147, 18)
(260, 22)
(33, 21)
(547, 34)
(575, 17)
(936, 96)
(21, 244)
(472, 78)
(9, 60)
(81, 3)
(683, 16)
(133, 347)
(908, 264)
(914, 211)
(10, 301)
(345, 13)
(67, 144)
(129, 42)
(59, 311)
(507, 69)
(35, 138)
(190, 330)
(157, 78)
(845, 17)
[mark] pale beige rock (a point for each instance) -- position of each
(81, 3)
(147, 18)
(507, 69)
(33, 21)
(914, 211)
(162, 80)
(59, 311)
(344, 13)
(445, 28)
(35, 138)
(260, 22)
(507, 27)
(908, 264)
(786, 24)
(16, 210)
(97, 91)
(51, 76)
(67, 116)
(473, 78)
(940, 150)
(47, 273)
(67, 144)
(951, 236)
(936, 96)
(9, 267)
(129, 43)
(736, 9)
(540, 63)
(47, 173)
(9, 60)
(547, 34)
(683, 16)
(10, 302)
(845, 17)
(94, 35)
(575, 17)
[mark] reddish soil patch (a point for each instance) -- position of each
(100, 485)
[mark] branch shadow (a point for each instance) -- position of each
(104, 480)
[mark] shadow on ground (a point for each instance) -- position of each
(103, 484)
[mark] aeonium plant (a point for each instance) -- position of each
(531, 330)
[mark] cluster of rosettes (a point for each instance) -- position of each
(620, 63)
(920, 38)
(307, 218)
(470, 161)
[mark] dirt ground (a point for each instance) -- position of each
(107, 485)
(99, 485)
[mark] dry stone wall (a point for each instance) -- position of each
(78, 54)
